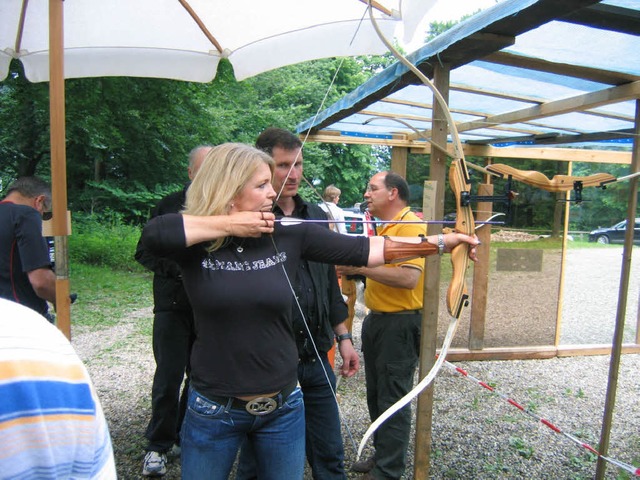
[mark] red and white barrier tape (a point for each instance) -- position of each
(624, 466)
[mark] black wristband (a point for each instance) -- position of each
(344, 336)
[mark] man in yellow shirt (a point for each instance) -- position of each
(391, 331)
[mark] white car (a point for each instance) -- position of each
(355, 223)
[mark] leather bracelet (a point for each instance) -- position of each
(344, 336)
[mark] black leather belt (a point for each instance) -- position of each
(401, 312)
(259, 405)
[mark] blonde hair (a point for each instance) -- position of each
(331, 193)
(224, 172)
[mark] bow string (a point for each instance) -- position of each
(457, 296)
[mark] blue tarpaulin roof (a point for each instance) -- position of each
(524, 72)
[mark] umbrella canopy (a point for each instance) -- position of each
(185, 39)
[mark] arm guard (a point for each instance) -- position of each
(396, 251)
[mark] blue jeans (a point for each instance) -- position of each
(324, 447)
(212, 434)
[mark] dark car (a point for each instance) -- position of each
(615, 234)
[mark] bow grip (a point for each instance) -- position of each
(457, 294)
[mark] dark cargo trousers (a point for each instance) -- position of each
(391, 346)
(172, 341)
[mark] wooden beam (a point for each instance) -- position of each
(542, 153)
(559, 139)
(480, 289)
(556, 154)
(59, 163)
(586, 73)
(325, 136)
(585, 101)
(399, 157)
(607, 17)
(534, 352)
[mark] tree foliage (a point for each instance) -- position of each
(127, 139)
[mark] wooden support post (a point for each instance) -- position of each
(563, 263)
(614, 364)
(430, 314)
(399, 157)
(481, 273)
(59, 162)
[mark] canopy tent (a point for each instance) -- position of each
(519, 78)
(522, 73)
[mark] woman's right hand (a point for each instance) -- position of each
(250, 224)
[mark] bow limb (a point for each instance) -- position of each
(457, 296)
(424, 383)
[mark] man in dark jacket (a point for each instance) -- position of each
(324, 311)
(172, 339)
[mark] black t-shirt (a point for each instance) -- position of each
(22, 249)
(242, 300)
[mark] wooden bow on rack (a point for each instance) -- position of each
(559, 183)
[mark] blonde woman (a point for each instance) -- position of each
(237, 264)
(331, 197)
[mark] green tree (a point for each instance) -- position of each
(128, 138)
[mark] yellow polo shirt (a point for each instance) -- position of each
(391, 299)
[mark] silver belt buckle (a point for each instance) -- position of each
(261, 406)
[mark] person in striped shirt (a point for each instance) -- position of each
(51, 423)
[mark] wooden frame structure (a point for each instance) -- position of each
(489, 37)
(486, 41)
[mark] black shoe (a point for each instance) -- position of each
(364, 466)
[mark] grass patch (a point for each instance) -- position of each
(106, 295)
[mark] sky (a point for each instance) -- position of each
(445, 10)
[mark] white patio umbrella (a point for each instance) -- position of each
(175, 39)
(185, 39)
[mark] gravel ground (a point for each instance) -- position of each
(476, 434)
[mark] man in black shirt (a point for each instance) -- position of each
(26, 276)
(325, 312)
(172, 339)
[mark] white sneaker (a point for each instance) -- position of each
(155, 464)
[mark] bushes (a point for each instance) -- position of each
(104, 240)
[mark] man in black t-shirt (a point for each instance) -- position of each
(26, 276)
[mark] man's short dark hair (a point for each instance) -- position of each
(277, 137)
(31, 187)
(393, 180)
